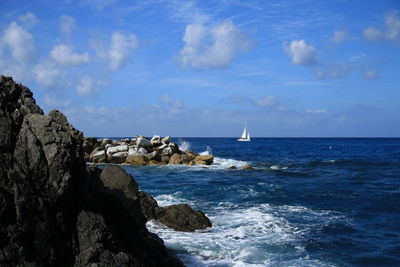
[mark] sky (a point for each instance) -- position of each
(205, 68)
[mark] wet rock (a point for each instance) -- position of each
(204, 160)
(135, 160)
(247, 167)
(232, 167)
(182, 217)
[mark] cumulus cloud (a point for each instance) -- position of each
(20, 42)
(28, 19)
(46, 74)
(89, 86)
(120, 48)
(67, 25)
(64, 56)
(390, 32)
(208, 47)
(301, 53)
(339, 37)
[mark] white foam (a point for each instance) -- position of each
(184, 146)
(207, 152)
(245, 236)
(222, 163)
(278, 167)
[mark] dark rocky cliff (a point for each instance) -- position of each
(53, 209)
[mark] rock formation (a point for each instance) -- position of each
(141, 151)
(54, 211)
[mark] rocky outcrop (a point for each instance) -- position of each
(141, 151)
(53, 210)
(179, 217)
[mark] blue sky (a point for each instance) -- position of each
(203, 68)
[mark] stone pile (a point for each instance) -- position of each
(141, 151)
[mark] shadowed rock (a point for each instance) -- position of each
(53, 210)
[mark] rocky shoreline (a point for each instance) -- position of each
(141, 151)
(57, 211)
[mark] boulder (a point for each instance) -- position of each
(134, 151)
(142, 142)
(152, 156)
(166, 140)
(164, 159)
(174, 147)
(114, 177)
(115, 149)
(232, 167)
(182, 217)
(118, 158)
(176, 159)
(135, 160)
(168, 151)
(98, 156)
(156, 140)
(203, 160)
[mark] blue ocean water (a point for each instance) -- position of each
(309, 202)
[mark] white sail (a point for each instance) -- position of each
(245, 133)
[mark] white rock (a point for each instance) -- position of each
(98, 154)
(156, 138)
(115, 149)
(167, 151)
(107, 146)
(142, 142)
(166, 139)
(137, 151)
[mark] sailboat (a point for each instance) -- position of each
(245, 135)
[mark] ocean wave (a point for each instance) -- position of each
(278, 167)
(247, 236)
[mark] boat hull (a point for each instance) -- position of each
(243, 140)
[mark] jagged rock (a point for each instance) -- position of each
(142, 142)
(165, 159)
(115, 149)
(155, 162)
(232, 167)
(53, 210)
(204, 160)
(182, 217)
(135, 160)
(118, 158)
(174, 147)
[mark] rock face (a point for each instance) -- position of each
(179, 217)
(53, 210)
(141, 151)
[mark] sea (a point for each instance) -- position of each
(308, 201)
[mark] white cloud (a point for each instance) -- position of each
(208, 47)
(20, 42)
(372, 34)
(301, 53)
(268, 101)
(28, 19)
(46, 73)
(332, 70)
(67, 25)
(390, 32)
(64, 56)
(317, 111)
(56, 103)
(187, 12)
(340, 36)
(120, 49)
(371, 74)
(88, 86)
